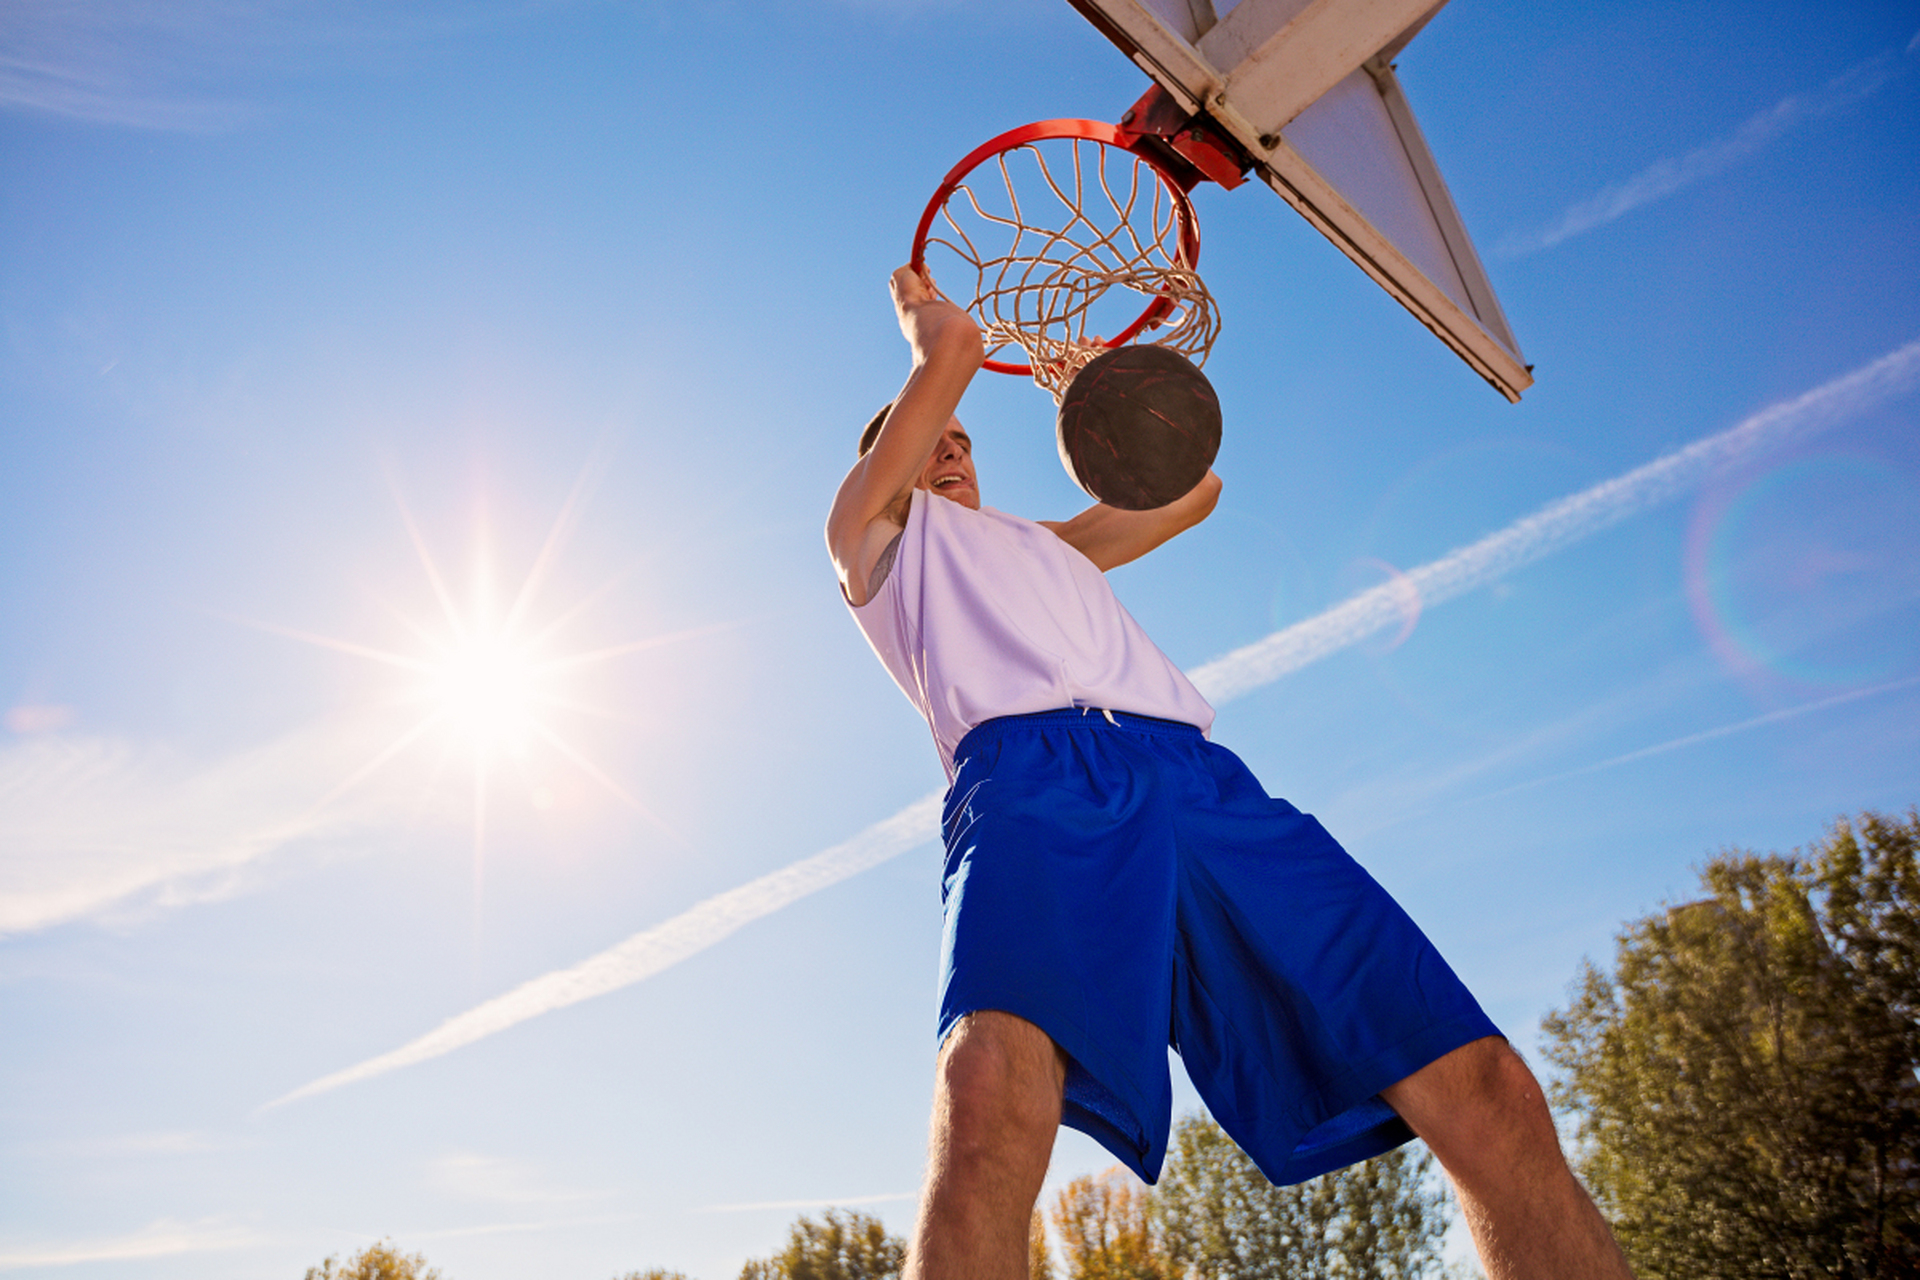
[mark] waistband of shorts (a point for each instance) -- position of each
(1089, 718)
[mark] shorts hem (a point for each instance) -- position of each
(1366, 1081)
(1137, 1150)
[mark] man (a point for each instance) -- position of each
(1114, 880)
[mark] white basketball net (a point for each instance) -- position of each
(1093, 244)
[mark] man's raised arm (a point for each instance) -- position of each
(1110, 537)
(870, 506)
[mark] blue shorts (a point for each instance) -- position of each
(1129, 885)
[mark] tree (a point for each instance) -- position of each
(1106, 1230)
(846, 1245)
(653, 1273)
(1219, 1218)
(1039, 1256)
(1744, 1083)
(1222, 1220)
(376, 1262)
(1390, 1215)
(1214, 1216)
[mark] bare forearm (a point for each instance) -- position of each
(1110, 537)
(943, 367)
(947, 352)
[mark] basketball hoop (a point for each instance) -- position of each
(1069, 234)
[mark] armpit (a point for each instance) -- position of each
(883, 565)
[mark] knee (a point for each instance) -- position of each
(1501, 1075)
(1482, 1097)
(1507, 1108)
(1000, 1070)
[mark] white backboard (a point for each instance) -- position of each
(1307, 88)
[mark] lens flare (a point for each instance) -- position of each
(1371, 571)
(489, 682)
(1797, 572)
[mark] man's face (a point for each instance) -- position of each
(949, 472)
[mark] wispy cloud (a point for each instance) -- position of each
(825, 1202)
(1664, 177)
(1553, 527)
(153, 1144)
(137, 63)
(100, 94)
(1720, 731)
(91, 825)
(162, 1239)
(1385, 802)
(499, 1180)
(496, 1228)
(191, 65)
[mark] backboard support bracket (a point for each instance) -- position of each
(1194, 148)
(1304, 95)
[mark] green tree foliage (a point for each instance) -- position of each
(653, 1273)
(1218, 1217)
(1744, 1080)
(845, 1245)
(376, 1262)
(1214, 1216)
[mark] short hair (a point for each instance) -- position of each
(872, 432)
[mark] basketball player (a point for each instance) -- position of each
(1112, 877)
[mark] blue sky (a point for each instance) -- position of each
(314, 315)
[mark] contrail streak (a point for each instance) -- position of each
(1664, 177)
(1554, 526)
(1557, 525)
(1708, 735)
(652, 950)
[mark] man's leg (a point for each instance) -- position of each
(996, 1108)
(1486, 1120)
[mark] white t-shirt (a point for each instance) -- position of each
(985, 614)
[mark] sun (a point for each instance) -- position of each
(489, 683)
(490, 691)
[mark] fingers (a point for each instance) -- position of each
(910, 286)
(923, 312)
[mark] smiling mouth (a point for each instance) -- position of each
(947, 481)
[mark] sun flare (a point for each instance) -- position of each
(489, 691)
(490, 684)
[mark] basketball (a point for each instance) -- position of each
(1138, 427)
